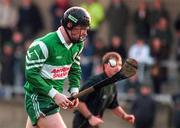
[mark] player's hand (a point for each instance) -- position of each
(94, 121)
(62, 101)
(75, 102)
(129, 118)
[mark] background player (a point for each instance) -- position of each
(91, 107)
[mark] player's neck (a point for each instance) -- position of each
(64, 34)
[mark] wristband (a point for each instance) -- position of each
(74, 90)
(52, 93)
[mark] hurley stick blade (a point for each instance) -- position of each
(129, 67)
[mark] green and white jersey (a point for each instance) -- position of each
(49, 61)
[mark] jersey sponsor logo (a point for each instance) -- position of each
(60, 72)
(55, 72)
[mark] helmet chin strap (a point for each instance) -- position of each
(68, 34)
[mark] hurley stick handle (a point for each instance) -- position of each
(82, 93)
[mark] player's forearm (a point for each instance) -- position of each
(119, 111)
(82, 108)
(74, 77)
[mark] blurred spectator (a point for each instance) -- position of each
(8, 16)
(87, 60)
(132, 85)
(99, 47)
(141, 52)
(177, 24)
(176, 109)
(162, 31)
(96, 11)
(157, 77)
(141, 21)
(117, 45)
(117, 16)
(7, 72)
(177, 30)
(158, 10)
(99, 51)
(158, 51)
(18, 42)
(30, 19)
(144, 108)
(159, 72)
(57, 9)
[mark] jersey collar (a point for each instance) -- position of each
(59, 33)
